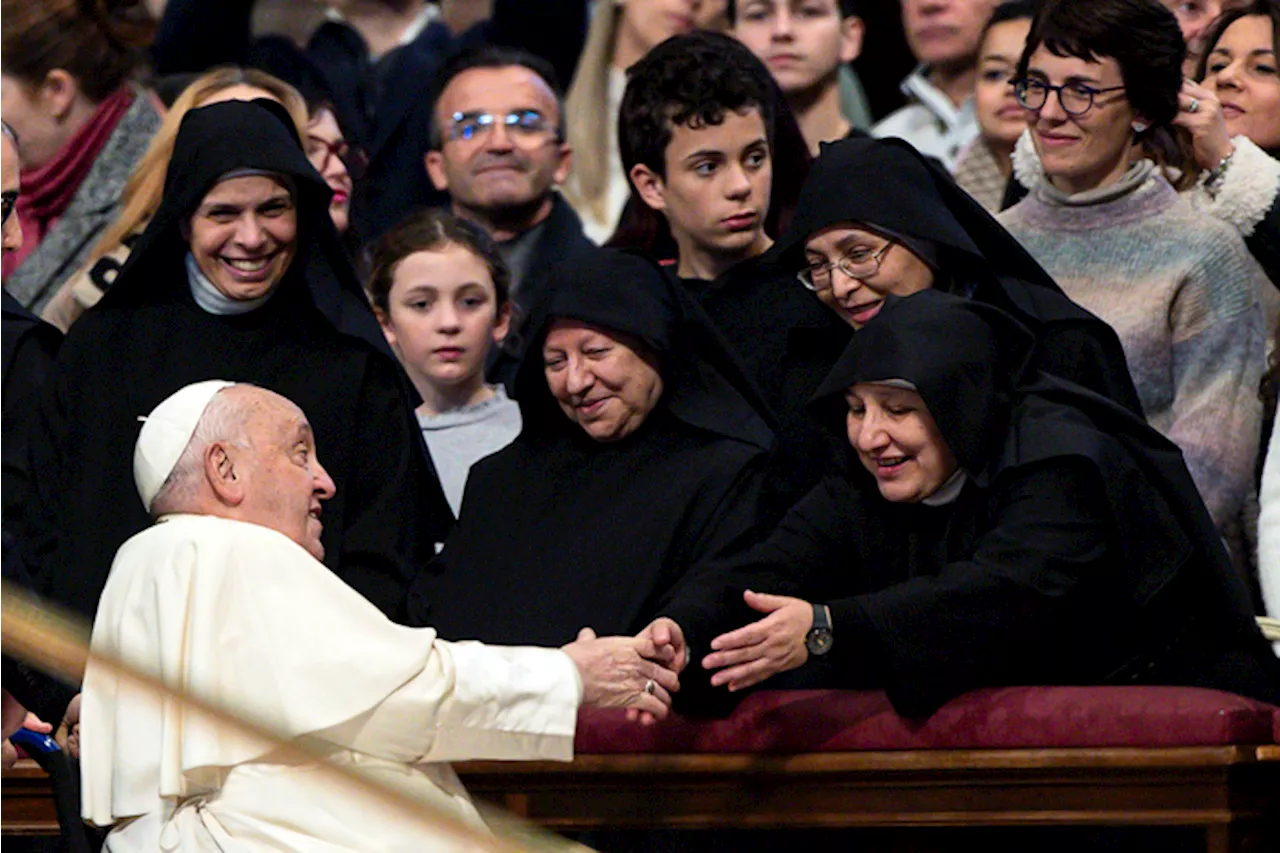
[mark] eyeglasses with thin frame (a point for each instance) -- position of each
(1076, 98)
(8, 199)
(858, 262)
(521, 125)
(353, 158)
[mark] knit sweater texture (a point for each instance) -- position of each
(1182, 292)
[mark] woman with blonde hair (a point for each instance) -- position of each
(141, 195)
(621, 33)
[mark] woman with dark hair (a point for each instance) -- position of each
(1233, 114)
(1101, 81)
(238, 276)
(878, 219)
(641, 458)
(1022, 530)
(984, 168)
(65, 68)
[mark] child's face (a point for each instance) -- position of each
(716, 191)
(443, 317)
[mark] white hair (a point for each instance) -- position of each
(223, 420)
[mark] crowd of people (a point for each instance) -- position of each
(646, 368)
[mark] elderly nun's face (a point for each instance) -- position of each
(244, 235)
(606, 382)
(852, 270)
(898, 442)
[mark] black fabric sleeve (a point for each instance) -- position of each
(196, 35)
(999, 616)
(394, 510)
(25, 376)
(805, 556)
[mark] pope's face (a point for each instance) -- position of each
(244, 235)
(283, 480)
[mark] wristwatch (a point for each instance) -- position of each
(820, 639)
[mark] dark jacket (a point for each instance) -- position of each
(30, 348)
(383, 107)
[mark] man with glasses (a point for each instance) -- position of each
(498, 150)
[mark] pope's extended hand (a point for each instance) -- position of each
(773, 644)
(623, 672)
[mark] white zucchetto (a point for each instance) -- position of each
(166, 432)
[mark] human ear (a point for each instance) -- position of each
(502, 322)
(650, 187)
(59, 90)
(221, 474)
(852, 29)
(384, 320)
(565, 166)
(434, 162)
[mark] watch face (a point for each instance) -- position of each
(819, 641)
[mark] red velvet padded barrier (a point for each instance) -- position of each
(795, 721)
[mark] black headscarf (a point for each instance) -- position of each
(558, 530)
(232, 136)
(971, 364)
(624, 291)
(887, 185)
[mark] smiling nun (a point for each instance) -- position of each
(239, 276)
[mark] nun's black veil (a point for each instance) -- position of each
(231, 136)
(627, 292)
(889, 186)
(315, 341)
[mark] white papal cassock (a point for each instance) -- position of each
(243, 616)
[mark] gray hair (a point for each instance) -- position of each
(223, 420)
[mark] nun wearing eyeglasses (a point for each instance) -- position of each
(1020, 529)
(239, 275)
(877, 219)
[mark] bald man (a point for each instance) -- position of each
(225, 597)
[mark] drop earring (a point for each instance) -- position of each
(1139, 126)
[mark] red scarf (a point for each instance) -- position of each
(47, 190)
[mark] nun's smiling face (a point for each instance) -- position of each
(244, 235)
(898, 442)
(883, 267)
(605, 381)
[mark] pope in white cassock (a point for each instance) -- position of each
(226, 597)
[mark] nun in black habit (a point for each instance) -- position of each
(910, 204)
(166, 323)
(559, 530)
(1029, 531)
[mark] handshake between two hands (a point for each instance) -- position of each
(641, 673)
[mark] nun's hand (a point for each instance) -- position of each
(774, 644)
